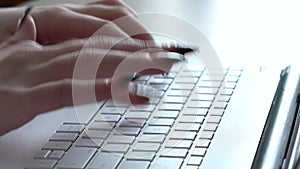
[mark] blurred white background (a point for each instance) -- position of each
(247, 32)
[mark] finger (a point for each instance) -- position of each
(130, 24)
(112, 2)
(58, 94)
(74, 27)
(88, 61)
(133, 44)
(92, 64)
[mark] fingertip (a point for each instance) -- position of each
(134, 99)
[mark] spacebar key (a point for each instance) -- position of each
(76, 158)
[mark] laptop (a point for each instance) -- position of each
(202, 115)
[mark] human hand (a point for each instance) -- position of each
(37, 78)
(58, 23)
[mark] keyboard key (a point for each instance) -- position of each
(194, 160)
(182, 135)
(161, 122)
(220, 105)
(199, 152)
(57, 145)
(64, 137)
(190, 74)
(187, 127)
(219, 78)
(204, 143)
(145, 107)
(180, 93)
(69, 128)
(174, 100)
(229, 85)
(42, 154)
(41, 164)
(186, 144)
(118, 148)
(120, 139)
(131, 131)
(102, 126)
(190, 167)
(156, 130)
(206, 135)
(56, 154)
(171, 107)
(113, 110)
(160, 81)
(114, 104)
(216, 112)
(166, 163)
(152, 138)
(107, 118)
(163, 87)
(202, 97)
(134, 165)
(146, 147)
(154, 100)
(76, 158)
(199, 104)
(182, 86)
(166, 114)
(202, 90)
(223, 98)
(157, 94)
(174, 153)
(104, 160)
(191, 119)
(226, 92)
(195, 111)
(132, 123)
(233, 79)
(209, 84)
(210, 127)
(141, 156)
(214, 119)
(137, 115)
(95, 134)
(186, 80)
(85, 142)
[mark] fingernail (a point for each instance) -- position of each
(23, 17)
(135, 76)
(131, 77)
(171, 56)
(179, 48)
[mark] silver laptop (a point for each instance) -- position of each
(228, 118)
(198, 117)
(201, 116)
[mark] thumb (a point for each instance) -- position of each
(26, 31)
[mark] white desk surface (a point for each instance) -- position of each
(247, 32)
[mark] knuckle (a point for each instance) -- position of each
(122, 10)
(26, 47)
(59, 8)
(7, 92)
(64, 92)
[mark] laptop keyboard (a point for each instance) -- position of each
(174, 130)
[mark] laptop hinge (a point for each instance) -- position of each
(292, 152)
(271, 151)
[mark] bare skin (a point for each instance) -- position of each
(37, 61)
